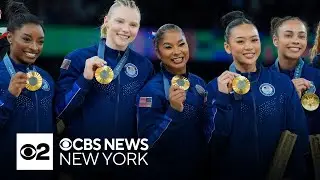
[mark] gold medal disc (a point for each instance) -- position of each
(180, 81)
(34, 81)
(310, 101)
(104, 75)
(241, 85)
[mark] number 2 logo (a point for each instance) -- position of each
(29, 152)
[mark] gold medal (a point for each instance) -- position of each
(241, 85)
(34, 81)
(310, 101)
(104, 75)
(180, 81)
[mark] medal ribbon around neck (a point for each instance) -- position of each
(105, 74)
(34, 81)
(309, 100)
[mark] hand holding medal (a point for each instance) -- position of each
(177, 96)
(309, 100)
(229, 82)
(177, 92)
(92, 64)
(17, 83)
(306, 91)
(301, 85)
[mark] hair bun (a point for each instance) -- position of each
(273, 23)
(231, 16)
(13, 8)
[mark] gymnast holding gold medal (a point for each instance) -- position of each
(290, 36)
(97, 86)
(27, 91)
(106, 76)
(171, 112)
(249, 106)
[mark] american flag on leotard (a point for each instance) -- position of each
(145, 102)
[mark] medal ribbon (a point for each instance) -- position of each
(9, 66)
(297, 74)
(166, 84)
(123, 60)
(297, 71)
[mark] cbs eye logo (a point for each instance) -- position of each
(29, 152)
(65, 144)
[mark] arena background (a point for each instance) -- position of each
(72, 24)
